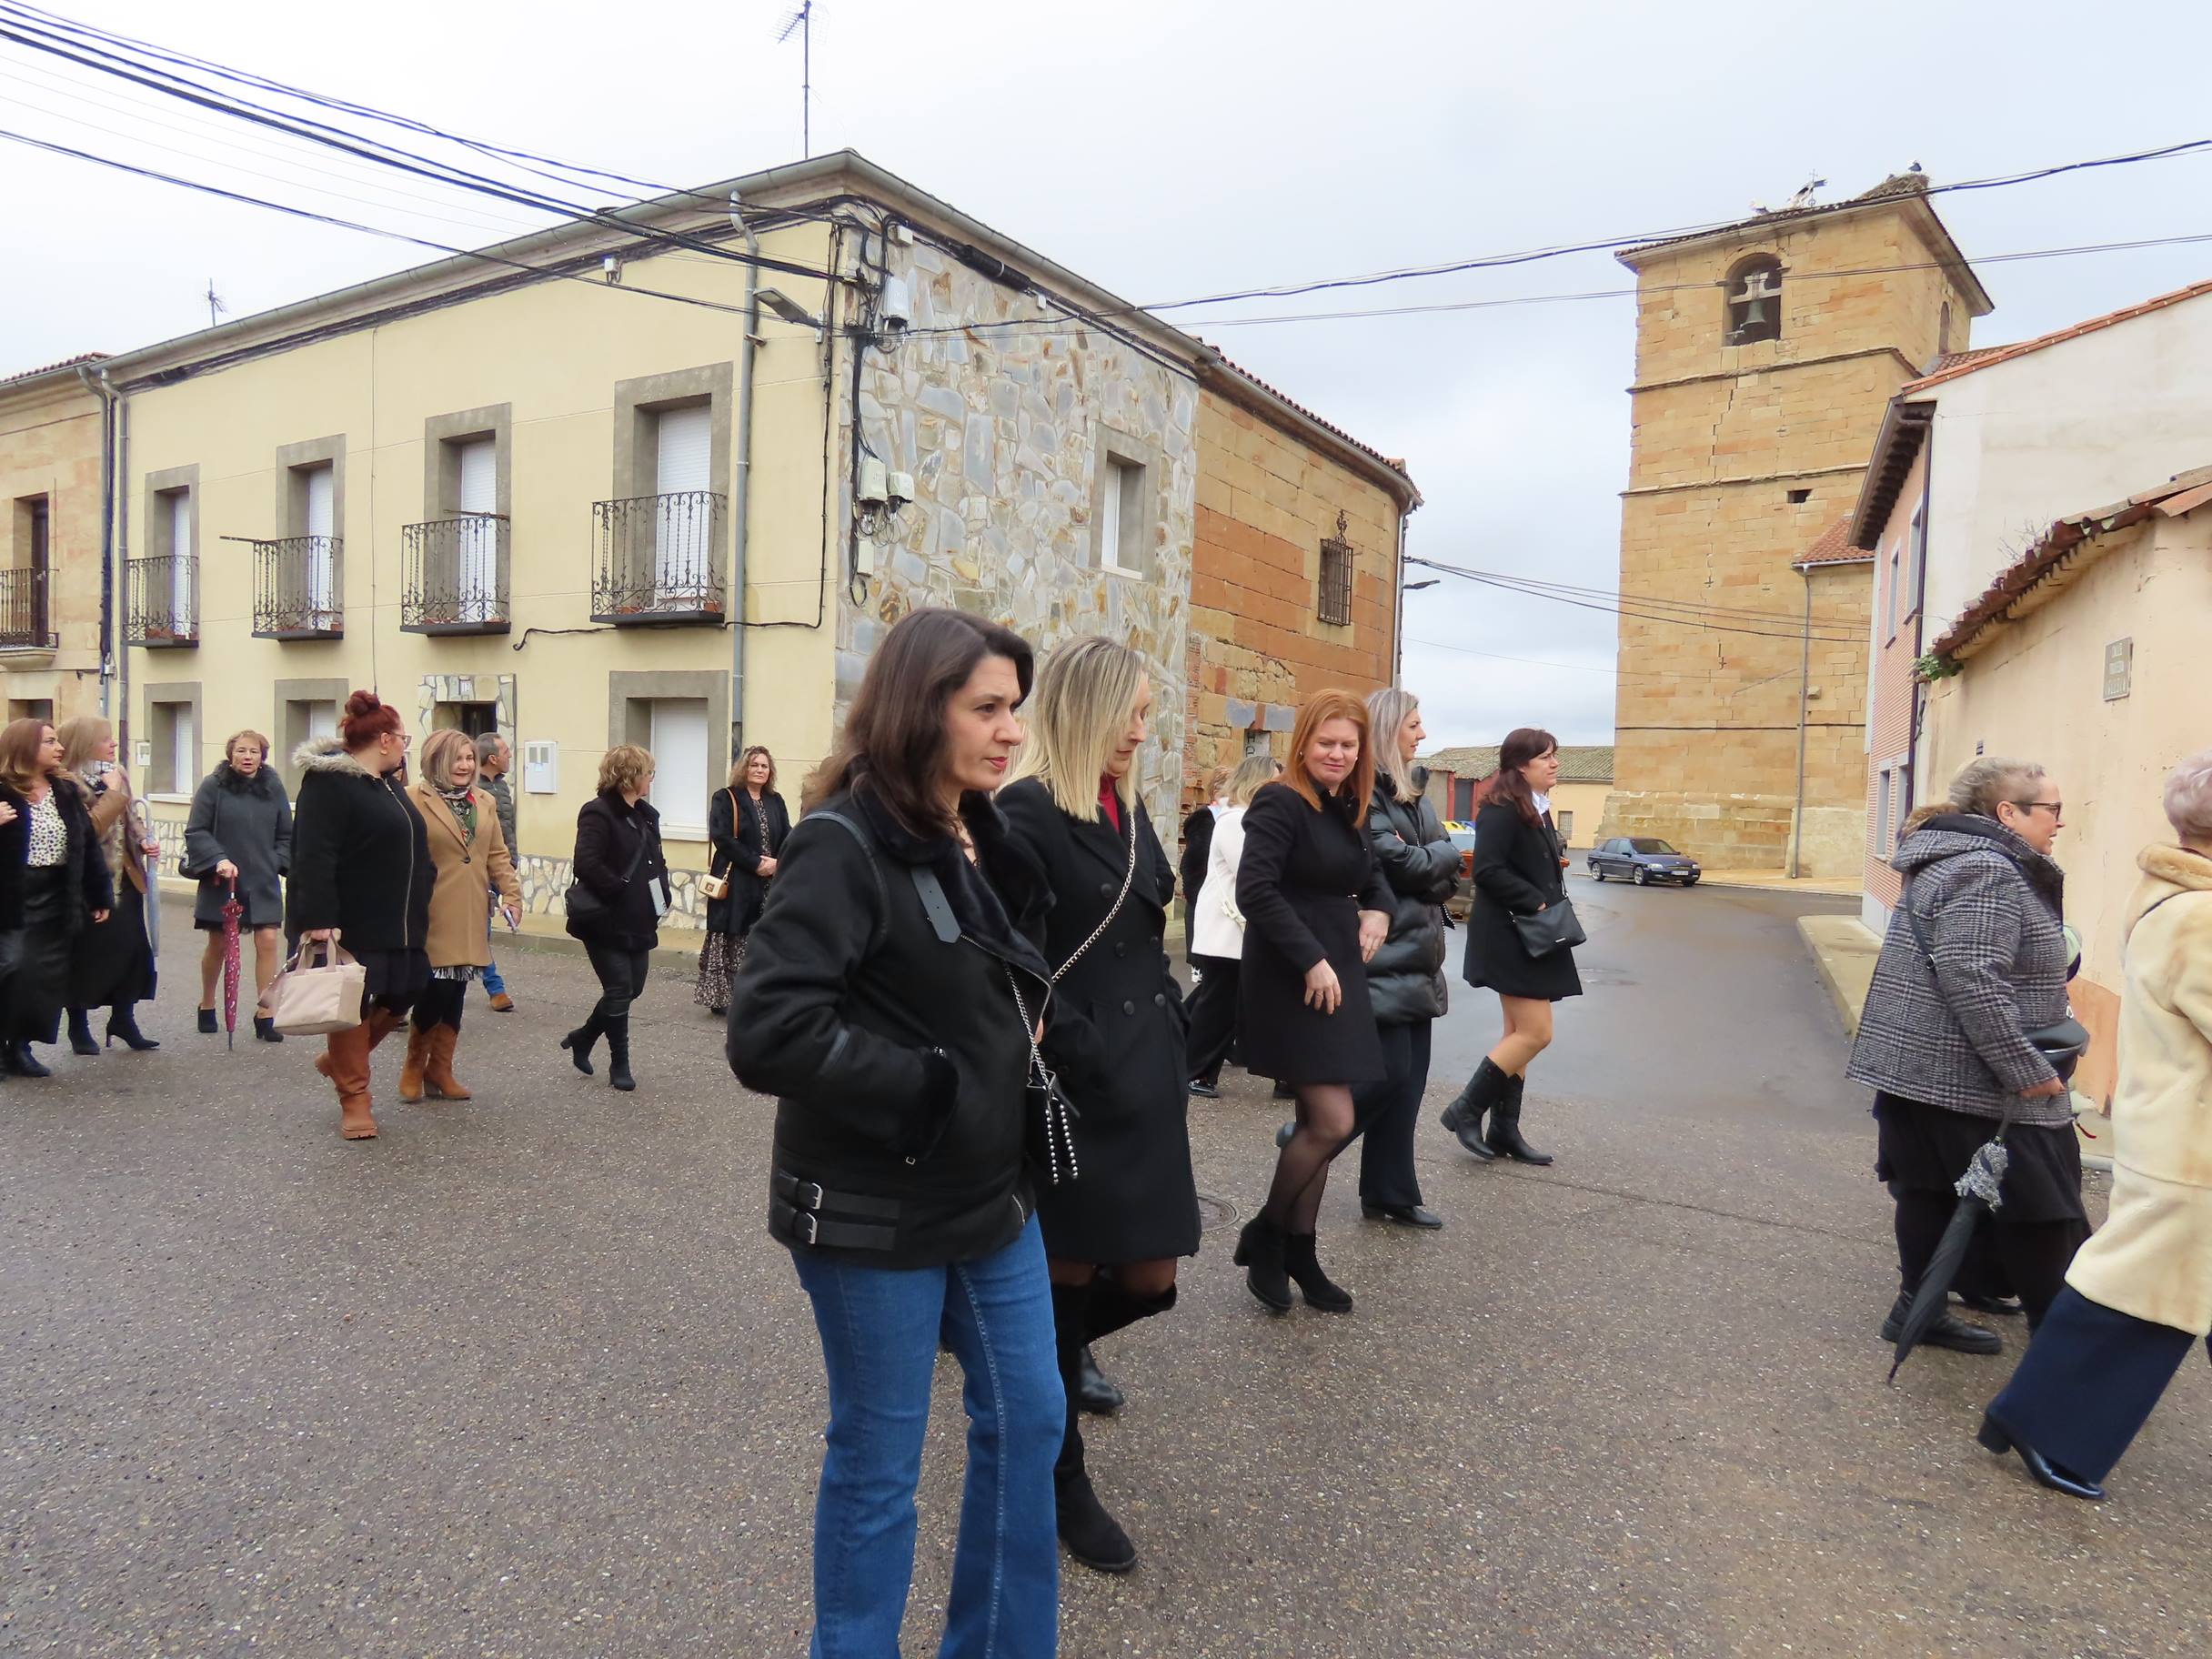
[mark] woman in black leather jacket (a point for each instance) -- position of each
(1406, 979)
(891, 997)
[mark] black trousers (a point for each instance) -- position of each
(622, 979)
(441, 1003)
(2088, 1384)
(2033, 1255)
(1213, 1018)
(1386, 1114)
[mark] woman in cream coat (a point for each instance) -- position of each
(1217, 932)
(2139, 1293)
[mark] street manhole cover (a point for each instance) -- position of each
(1214, 1214)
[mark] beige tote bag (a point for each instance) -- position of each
(310, 1000)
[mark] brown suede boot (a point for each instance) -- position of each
(345, 1062)
(411, 1068)
(437, 1070)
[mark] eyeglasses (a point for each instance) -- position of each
(2056, 808)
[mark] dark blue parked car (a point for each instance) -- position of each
(1644, 860)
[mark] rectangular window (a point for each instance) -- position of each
(475, 719)
(318, 524)
(1891, 610)
(476, 553)
(175, 752)
(1463, 799)
(1121, 517)
(306, 719)
(1915, 572)
(680, 784)
(1333, 603)
(1885, 839)
(1566, 827)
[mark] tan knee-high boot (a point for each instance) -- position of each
(411, 1068)
(345, 1062)
(437, 1070)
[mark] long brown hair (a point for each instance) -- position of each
(1319, 708)
(1508, 786)
(894, 735)
(19, 765)
(739, 768)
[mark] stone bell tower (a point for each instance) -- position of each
(1766, 353)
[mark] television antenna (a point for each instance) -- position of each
(215, 306)
(802, 20)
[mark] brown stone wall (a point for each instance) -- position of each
(50, 447)
(1256, 645)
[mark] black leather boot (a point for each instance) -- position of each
(1322, 1294)
(1094, 1391)
(579, 1043)
(122, 1021)
(1464, 1116)
(1949, 1330)
(22, 1062)
(80, 1032)
(618, 1055)
(1505, 1134)
(1092, 1536)
(1260, 1252)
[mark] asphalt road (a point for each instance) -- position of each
(525, 1376)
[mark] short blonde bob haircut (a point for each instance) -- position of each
(625, 766)
(1086, 696)
(440, 750)
(1252, 773)
(248, 735)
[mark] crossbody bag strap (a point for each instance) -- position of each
(868, 846)
(713, 866)
(1121, 898)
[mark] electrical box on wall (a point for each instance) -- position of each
(541, 768)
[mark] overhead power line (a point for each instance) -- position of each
(1637, 608)
(1730, 612)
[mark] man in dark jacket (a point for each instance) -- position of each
(494, 757)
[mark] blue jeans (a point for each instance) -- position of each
(494, 986)
(879, 1330)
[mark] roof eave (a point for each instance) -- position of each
(1906, 424)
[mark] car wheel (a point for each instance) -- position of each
(1643, 876)
(1595, 873)
(1691, 882)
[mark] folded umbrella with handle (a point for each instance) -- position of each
(1980, 1192)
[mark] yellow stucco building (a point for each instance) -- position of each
(53, 455)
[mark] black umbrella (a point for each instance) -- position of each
(1980, 1192)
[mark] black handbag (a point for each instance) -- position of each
(1555, 927)
(587, 910)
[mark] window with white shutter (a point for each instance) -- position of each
(321, 525)
(476, 548)
(680, 786)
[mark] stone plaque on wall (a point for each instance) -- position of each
(2119, 669)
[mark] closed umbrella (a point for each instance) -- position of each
(232, 911)
(1980, 1194)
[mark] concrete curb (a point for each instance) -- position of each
(1843, 951)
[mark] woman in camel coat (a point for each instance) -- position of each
(469, 855)
(2139, 1295)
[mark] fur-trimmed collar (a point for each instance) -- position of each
(229, 778)
(2178, 867)
(328, 754)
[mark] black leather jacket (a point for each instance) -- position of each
(1406, 979)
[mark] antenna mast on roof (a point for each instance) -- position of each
(215, 306)
(802, 19)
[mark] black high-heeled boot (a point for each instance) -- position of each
(23, 1063)
(122, 1021)
(579, 1043)
(1092, 1535)
(618, 1055)
(1464, 1116)
(265, 1029)
(208, 1026)
(1302, 1262)
(80, 1032)
(1260, 1252)
(1505, 1134)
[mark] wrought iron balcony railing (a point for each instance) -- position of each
(659, 559)
(455, 580)
(23, 618)
(299, 587)
(164, 602)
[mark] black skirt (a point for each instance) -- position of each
(41, 967)
(396, 978)
(111, 963)
(1925, 1149)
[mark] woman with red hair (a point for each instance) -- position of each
(1316, 907)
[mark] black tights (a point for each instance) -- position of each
(1325, 1121)
(440, 1005)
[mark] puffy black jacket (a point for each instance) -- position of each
(900, 1062)
(1406, 979)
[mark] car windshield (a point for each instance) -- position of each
(1649, 845)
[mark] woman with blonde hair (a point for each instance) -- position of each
(615, 907)
(65, 882)
(1316, 909)
(1217, 929)
(468, 852)
(1114, 1035)
(112, 964)
(238, 841)
(746, 824)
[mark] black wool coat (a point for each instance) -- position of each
(15, 850)
(1516, 873)
(734, 829)
(900, 1059)
(247, 820)
(87, 865)
(360, 855)
(1197, 847)
(1305, 876)
(609, 832)
(1406, 980)
(1115, 1036)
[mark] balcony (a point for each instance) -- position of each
(659, 559)
(23, 617)
(455, 575)
(164, 602)
(299, 587)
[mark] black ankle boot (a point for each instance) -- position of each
(23, 1063)
(579, 1044)
(618, 1055)
(122, 1021)
(1094, 1390)
(1505, 1134)
(1322, 1294)
(1464, 1116)
(80, 1032)
(1260, 1252)
(208, 1026)
(1092, 1536)
(1949, 1330)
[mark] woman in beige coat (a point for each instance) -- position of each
(469, 855)
(2139, 1293)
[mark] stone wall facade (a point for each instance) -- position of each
(1005, 431)
(1267, 499)
(1740, 457)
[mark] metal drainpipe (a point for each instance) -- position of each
(1805, 674)
(99, 389)
(745, 475)
(1397, 643)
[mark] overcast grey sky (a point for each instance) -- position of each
(1170, 150)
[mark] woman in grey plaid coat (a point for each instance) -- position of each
(1944, 1036)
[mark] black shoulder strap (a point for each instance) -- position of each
(868, 846)
(935, 905)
